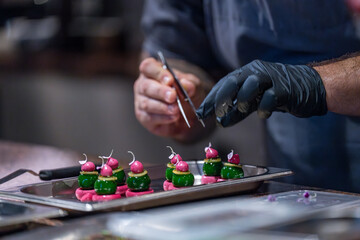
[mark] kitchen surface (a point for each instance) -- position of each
(266, 209)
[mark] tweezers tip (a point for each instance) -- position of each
(202, 122)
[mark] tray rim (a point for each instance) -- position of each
(15, 193)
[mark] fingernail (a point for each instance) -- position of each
(168, 96)
(166, 79)
(183, 85)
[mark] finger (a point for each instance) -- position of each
(267, 104)
(189, 86)
(153, 69)
(151, 120)
(232, 117)
(227, 93)
(207, 107)
(153, 106)
(252, 87)
(155, 90)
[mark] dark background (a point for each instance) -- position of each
(67, 69)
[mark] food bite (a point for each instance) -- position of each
(117, 172)
(105, 185)
(174, 158)
(86, 180)
(182, 177)
(232, 169)
(212, 166)
(138, 181)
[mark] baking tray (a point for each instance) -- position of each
(13, 214)
(60, 193)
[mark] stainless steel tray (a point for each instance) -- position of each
(15, 213)
(60, 193)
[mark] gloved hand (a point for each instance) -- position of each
(265, 87)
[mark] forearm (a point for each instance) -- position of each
(341, 80)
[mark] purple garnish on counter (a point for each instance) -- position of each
(306, 194)
(307, 198)
(271, 198)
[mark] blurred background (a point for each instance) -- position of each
(67, 69)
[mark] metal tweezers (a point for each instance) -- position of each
(180, 88)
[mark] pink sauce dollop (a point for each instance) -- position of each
(137, 167)
(88, 167)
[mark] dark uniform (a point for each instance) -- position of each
(222, 35)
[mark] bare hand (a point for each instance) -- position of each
(155, 100)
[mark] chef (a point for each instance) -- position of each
(272, 54)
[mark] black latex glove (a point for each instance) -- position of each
(265, 87)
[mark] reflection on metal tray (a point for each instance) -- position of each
(60, 193)
(14, 213)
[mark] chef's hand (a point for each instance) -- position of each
(155, 100)
(265, 87)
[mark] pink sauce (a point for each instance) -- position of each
(172, 187)
(209, 179)
(79, 193)
(103, 198)
(121, 189)
(166, 185)
(130, 193)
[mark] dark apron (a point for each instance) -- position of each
(322, 151)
